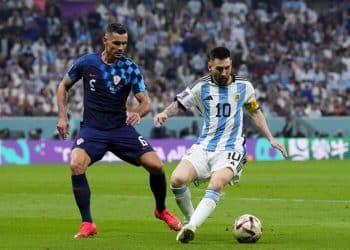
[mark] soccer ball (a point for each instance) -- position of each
(247, 229)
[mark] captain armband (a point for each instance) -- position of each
(252, 106)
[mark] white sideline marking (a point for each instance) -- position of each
(245, 199)
(292, 200)
(149, 197)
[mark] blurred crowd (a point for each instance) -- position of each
(297, 55)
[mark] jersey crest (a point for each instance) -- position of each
(116, 79)
(237, 97)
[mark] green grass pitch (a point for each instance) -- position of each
(302, 205)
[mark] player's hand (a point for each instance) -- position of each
(63, 127)
(133, 118)
(159, 119)
(280, 147)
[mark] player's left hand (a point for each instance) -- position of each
(133, 118)
(63, 127)
(280, 147)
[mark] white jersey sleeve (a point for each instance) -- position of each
(191, 97)
(250, 93)
(250, 102)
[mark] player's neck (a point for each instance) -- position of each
(108, 59)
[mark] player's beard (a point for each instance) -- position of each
(221, 80)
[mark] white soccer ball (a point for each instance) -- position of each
(247, 229)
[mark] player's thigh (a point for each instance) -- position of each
(231, 162)
(151, 162)
(220, 178)
(183, 174)
(198, 157)
(130, 146)
(80, 160)
(93, 142)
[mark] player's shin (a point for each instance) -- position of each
(205, 207)
(81, 191)
(157, 183)
(183, 201)
(158, 186)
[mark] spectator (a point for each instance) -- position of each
(280, 42)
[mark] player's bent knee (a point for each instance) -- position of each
(151, 162)
(155, 169)
(80, 160)
(77, 167)
(216, 185)
(176, 181)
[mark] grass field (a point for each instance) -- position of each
(302, 205)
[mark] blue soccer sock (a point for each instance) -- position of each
(158, 186)
(81, 191)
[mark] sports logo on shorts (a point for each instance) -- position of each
(239, 167)
(80, 141)
(116, 79)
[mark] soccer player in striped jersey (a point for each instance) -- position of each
(219, 153)
(108, 78)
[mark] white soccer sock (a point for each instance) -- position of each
(205, 207)
(183, 201)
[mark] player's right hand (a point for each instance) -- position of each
(63, 127)
(280, 147)
(159, 119)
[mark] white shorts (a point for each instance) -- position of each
(206, 162)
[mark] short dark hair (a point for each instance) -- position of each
(115, 28)
(219, 53)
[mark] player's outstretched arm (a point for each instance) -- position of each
(260, 121)
(62, 122)
(171, 110)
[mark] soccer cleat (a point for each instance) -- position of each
(186, 234)
(170, 219)
(87, 229)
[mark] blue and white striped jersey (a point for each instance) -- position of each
(222, 109)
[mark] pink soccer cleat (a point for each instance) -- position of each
(170, 219)
(87, 229)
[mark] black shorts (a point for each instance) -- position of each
(124, 142)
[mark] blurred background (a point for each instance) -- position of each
(296, 53)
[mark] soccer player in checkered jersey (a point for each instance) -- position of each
(219, 153)
(108, 78)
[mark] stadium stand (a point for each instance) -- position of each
(296, 53)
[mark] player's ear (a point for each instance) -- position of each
(210, 65)
(104, 39)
